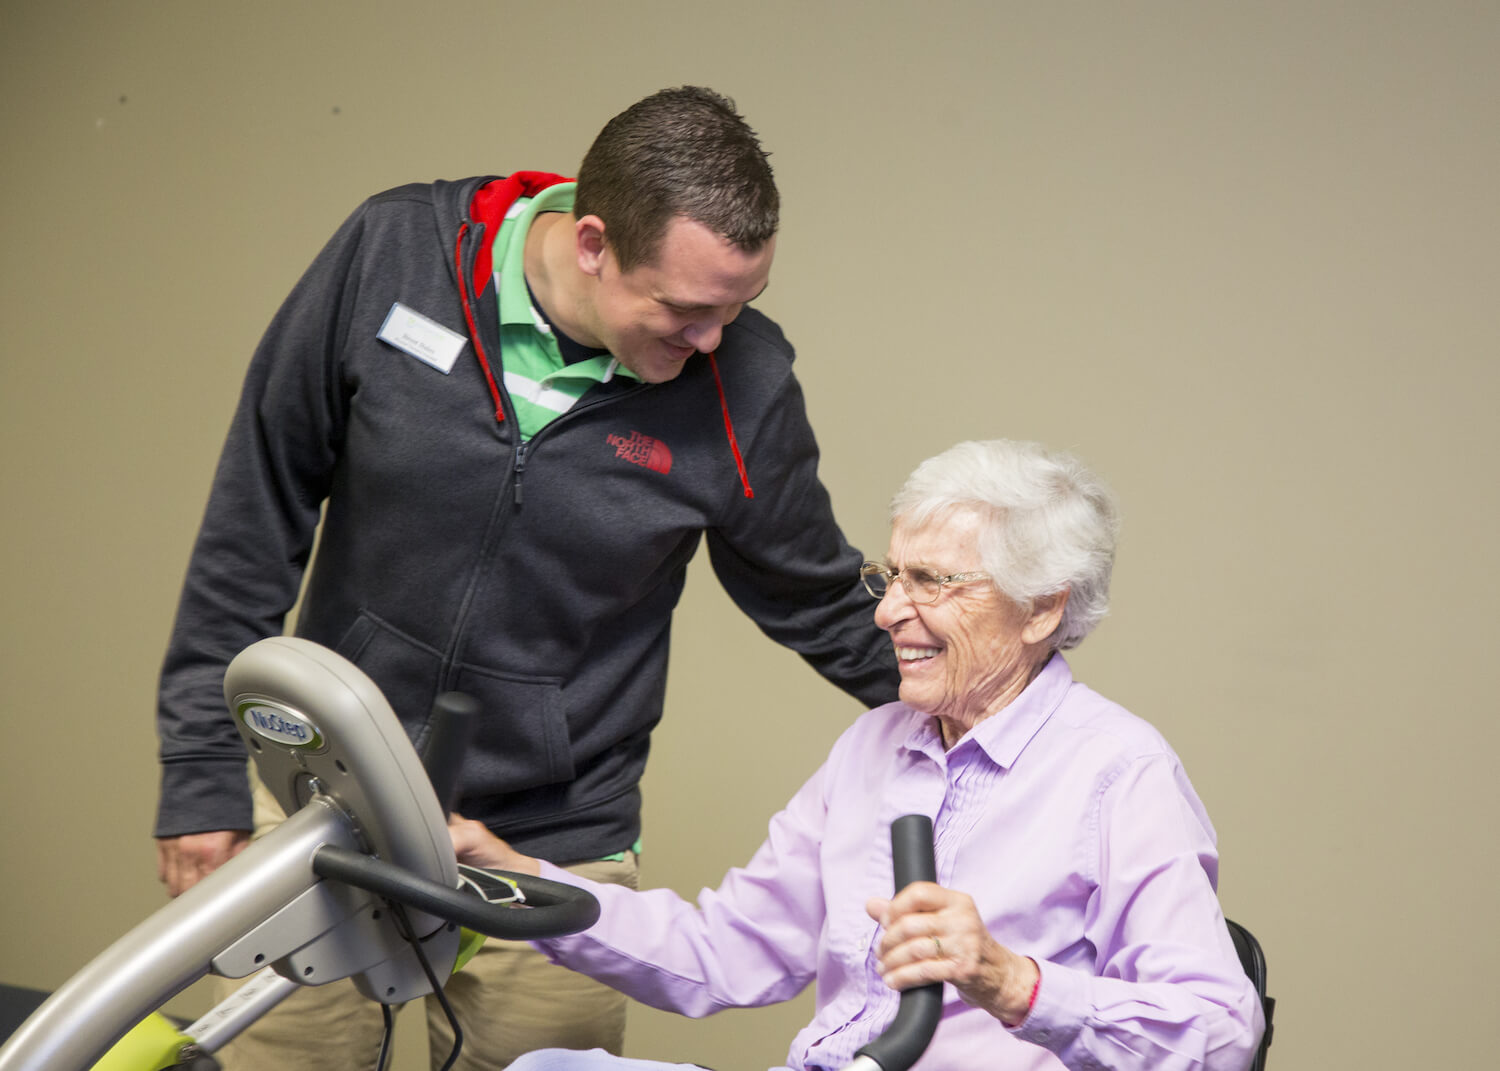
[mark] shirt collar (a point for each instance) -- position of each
(510, 264)
(1005, 734)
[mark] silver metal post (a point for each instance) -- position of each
(173, 948)
(222, 1023)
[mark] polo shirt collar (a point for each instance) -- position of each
(510, 274)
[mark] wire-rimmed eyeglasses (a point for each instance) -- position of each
(921, 586)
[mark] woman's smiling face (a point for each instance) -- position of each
(970, 653)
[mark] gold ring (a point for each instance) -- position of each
(939, 946)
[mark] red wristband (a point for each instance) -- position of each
(1036, 987)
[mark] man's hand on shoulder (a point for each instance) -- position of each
(182, 862)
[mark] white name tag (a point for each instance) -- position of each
(426, 340)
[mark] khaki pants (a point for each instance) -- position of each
(508, 1000)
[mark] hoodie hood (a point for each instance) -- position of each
(480, 205)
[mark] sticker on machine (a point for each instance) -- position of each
(280, 725)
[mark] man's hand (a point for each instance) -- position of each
(182, 862)
(933, 934)
(475, 845)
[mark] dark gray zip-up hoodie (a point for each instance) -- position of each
(541, 581)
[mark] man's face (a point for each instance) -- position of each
(658, 314)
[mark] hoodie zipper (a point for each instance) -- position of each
(581, 407)
(484, 362)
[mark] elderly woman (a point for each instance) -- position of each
(1074, 921)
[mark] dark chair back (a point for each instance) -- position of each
(1254, 962)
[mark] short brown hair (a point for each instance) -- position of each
(679, 152)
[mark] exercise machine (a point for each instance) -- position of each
(359, 882)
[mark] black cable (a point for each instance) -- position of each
(404, 927)
(385, 1040)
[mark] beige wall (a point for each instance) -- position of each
(1242, 258)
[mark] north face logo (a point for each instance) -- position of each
(641, 449)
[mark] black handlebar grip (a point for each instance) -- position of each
(455, 716)
(911, 850)
(558, 909)
(921, 1008)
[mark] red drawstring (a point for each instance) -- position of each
(734, 446)
(463, 294)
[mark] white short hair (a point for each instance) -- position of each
(1050, 524)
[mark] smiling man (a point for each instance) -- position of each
(520, 403)
(654, 316)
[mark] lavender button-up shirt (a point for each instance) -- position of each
(1068, 820)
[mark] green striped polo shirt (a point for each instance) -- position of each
(541, 386)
